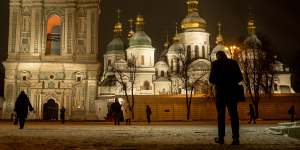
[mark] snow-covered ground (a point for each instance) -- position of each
(167, 135)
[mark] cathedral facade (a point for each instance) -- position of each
(160, 76)
(52, 56)
(164, 76)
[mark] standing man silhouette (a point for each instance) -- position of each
(21, 108)
(62, 114)
(116, 111)
(148, 113)
(226, 75)
(252, 114)
(292, 113)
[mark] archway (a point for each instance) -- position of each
(50, 111)
(146, 85)
(54, 26)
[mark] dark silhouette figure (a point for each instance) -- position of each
(226, 75)
(292, 113)
(148, 113)
(251, 114)
(62, 114)
(127, 113)
(116, 112)
(21, 108)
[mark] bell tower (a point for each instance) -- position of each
(52, 55)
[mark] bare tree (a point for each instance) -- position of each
(188, 77)
(256, 59)
(126, 77)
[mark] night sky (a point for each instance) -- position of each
(278, 20)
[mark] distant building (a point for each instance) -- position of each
(252, 54)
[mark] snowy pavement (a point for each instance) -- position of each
(166, 135)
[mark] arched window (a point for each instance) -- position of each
(54, 26)
(162, 73)
(177, 66)
(172, 65)
(143, 60)
(203, 51)
(275, 87)
(197, 52)
(146, 85)
(109, 62)
(189, 49)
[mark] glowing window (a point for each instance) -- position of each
(54, 26)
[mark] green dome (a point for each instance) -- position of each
(140, 39)
(116, 45)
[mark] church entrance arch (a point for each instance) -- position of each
(50, 111)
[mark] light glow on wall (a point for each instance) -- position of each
(52, 22)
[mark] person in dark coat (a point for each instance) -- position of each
(148, 113)
(251, 114)
(225, 75)
(21, 108)
(116, 112)
(62, 114)
(292, 113)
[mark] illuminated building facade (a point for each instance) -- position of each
(193, 41)
(52, 56)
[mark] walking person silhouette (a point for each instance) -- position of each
(21, 108)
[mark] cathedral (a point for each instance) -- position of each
(53, 49)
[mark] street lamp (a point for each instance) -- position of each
(233, 50)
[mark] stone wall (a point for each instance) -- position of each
(172, 108)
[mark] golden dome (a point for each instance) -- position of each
(131, 32)
(193, 19)
(118, 28)
(166, 44)
(251, 26)
(219, 39)
(176, 36)
(139, 21)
